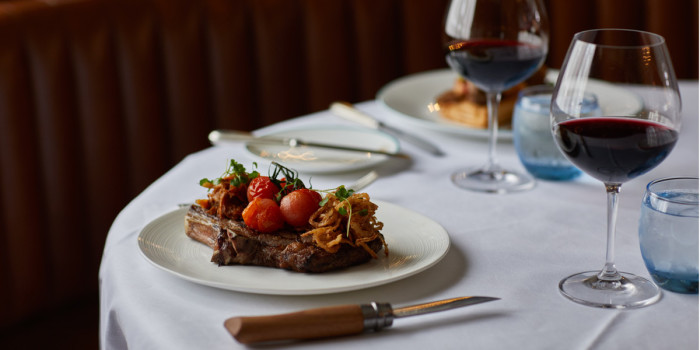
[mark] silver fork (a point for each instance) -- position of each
(364, 181)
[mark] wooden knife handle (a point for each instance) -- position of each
(307, 324)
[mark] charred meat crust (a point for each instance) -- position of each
(236, 244)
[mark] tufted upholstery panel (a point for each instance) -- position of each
(100, 97)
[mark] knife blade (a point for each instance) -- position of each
(348, 111)
(335, 320)
(222, 136)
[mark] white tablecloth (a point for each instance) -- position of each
(516, 247)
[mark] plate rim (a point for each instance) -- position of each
(437, 256)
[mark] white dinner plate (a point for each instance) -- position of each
(320, 160)
(411, 99)
(415, 244)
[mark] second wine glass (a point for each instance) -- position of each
(633, 135)
(495, 44)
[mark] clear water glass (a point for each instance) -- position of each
(668, 233)
(532, 133)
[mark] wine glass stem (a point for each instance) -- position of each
(493, 99)
(609, 271)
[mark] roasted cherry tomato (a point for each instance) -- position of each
(264, 215)
(262, 187)
(298, 206)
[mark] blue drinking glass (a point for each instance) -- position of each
(532, 134)
(668, 233)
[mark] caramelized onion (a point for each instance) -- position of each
(356, 227)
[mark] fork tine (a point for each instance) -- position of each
(364, 181)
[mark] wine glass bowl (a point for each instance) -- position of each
(621, 144)
(495, 44)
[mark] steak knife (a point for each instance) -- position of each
(334, 321)
(348, 111)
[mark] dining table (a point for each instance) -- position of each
(515, 247)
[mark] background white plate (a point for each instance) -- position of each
(410, 99)
(415, 244)
(319, 160)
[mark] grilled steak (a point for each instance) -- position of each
(236, 244)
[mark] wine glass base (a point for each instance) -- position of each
(493, 181)
(630, 292)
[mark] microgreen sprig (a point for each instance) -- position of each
(235, 172)
(342, 194)
(291, 181)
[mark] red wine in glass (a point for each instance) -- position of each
(615, 150)
(494, 65)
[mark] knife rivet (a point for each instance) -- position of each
(377, 315)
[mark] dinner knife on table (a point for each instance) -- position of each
(334, 320)
(222, 136)
(348, 111)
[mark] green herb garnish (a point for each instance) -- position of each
(291, 182)
(342, 194)
(236, 174)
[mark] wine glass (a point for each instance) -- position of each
(639, 126)
(495, 44)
